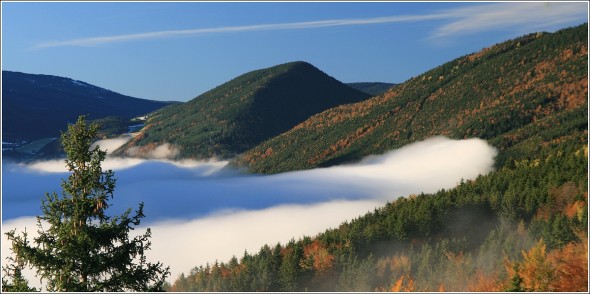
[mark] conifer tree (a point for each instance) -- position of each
(17, 282)
(79, 247)
(516, 280)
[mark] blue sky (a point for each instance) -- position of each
(176, 51)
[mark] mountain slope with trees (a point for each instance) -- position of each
(499, 94)
(243, 112)
(39, 106)
(522, 227)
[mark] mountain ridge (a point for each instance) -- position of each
(243, 112)
(39, 106)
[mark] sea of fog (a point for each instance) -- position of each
(200, 212)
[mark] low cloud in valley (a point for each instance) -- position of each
(202, 211)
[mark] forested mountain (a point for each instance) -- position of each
(243, 112)
(371, 88)
(39, 106)
(498, 94)
(522, 227)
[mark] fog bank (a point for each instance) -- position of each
(200, 212)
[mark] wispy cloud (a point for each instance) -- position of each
(521, 17)
(248, 28)
(464, 20)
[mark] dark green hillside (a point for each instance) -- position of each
(244, 111)
(39, 106)
(502, 94)
(371, 88)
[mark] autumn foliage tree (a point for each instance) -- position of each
(560, 270)
(536, 270)
(80, 247)
(571, 266)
